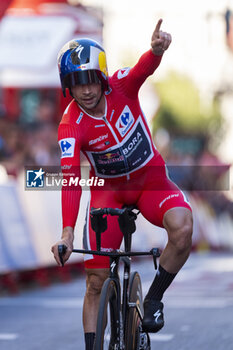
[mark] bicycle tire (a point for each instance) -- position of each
(108, 321)
(133, 331)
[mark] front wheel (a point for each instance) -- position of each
(108, 322)
(135, 338)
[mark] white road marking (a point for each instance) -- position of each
(161, 337)
(8, 336)
(198, 303)
(43, 302)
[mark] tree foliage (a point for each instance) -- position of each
(184, 110)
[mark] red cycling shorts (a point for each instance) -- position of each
(152, 192)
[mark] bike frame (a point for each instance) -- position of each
(99, 225)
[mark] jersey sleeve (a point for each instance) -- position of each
(129, 80)
(70, 164)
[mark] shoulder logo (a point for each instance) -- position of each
(123, 73)
(79, 118)
(125, 121)
(67, 147)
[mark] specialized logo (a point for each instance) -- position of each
(125, 121)
(123, 73)
(79, 51)
(35, 178)
(113, 265)
(67, 147)
(157, 314)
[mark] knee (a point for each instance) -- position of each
(180, 232)
(183, 237)
(94, 283)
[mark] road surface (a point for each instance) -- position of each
(198, 310)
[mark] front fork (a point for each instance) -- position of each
(123, 304)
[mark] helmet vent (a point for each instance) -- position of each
(74, 58)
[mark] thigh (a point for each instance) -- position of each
(159, 197)
(110, 239)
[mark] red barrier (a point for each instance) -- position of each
(15, 282)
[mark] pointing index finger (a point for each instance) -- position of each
(158, 25)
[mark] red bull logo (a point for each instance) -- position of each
(108, 156)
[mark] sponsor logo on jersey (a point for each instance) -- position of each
(98, 139)
(66, 167)
(125, 121)
(123, 73)
(67, 147)
(79, 118)
(109, 158)
(133, 152)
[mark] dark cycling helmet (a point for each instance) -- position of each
(82, 61)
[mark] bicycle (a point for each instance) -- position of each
(119, 322)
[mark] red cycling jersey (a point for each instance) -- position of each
(118, 146)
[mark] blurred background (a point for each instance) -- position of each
(188, 103)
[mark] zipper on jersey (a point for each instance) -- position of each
(118, 143)
(111, 128)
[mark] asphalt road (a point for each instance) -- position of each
(198, 310)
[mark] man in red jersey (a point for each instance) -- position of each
(105, 122)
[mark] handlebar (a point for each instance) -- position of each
(61, 252)
(118, 253)
(155, 252)
(99, 224)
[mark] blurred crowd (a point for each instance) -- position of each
(29, 142)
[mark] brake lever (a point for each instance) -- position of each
(61, 252)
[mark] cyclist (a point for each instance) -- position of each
(104, 121)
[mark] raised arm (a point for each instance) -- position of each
(129, 80)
